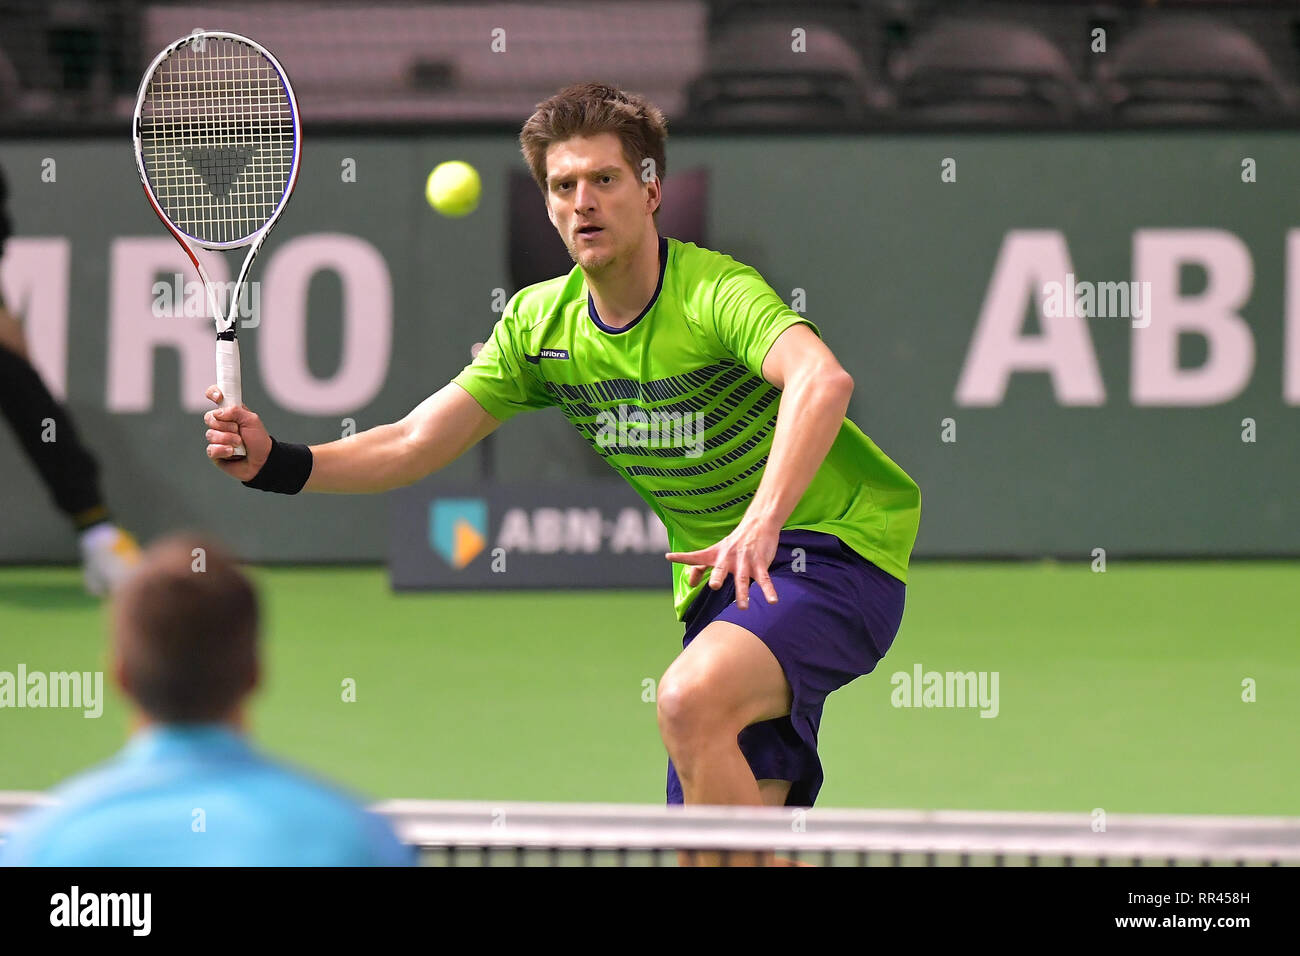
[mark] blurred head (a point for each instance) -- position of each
(597, 154)
(184, 633)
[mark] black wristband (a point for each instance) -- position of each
(286, 469)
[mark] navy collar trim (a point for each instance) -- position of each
(663, 267)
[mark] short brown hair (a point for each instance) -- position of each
(185, 631)
(587, 109)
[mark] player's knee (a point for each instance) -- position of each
(689, 711)
(672, 704)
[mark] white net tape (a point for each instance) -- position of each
(472, 833)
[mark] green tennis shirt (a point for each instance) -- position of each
(677, 404)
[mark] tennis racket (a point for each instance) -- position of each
(217, 143)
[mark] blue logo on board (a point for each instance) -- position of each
(458, 529)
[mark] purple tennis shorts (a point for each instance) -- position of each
(834, 620)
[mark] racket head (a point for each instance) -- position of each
(217, 138)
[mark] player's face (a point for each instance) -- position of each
(595, 199)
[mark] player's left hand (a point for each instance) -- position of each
(745, 554)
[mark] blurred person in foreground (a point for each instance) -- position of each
(188, 789)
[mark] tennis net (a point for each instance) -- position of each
(454, 833)
(535, 834)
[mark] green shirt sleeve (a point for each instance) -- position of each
(748, 316)
(500, 378)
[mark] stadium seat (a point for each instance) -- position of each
(537, 253)
(985, 71)
(857, 21)
(1190, 70)
(412, 62)
(755, 77)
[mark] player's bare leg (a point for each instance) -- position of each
(724, 681)
(774, 794)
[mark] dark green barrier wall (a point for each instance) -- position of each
(899, 268)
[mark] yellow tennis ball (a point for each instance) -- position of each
(453, 188)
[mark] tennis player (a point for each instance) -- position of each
(791, 531)
(189, 789)
(69, 471)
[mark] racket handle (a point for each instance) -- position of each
(230, 382)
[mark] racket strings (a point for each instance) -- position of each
(217, 135)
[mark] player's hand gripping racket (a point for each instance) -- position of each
(217, 142)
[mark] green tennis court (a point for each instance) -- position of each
(1121, 690)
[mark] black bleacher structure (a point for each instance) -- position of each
(711, 64)
(997, 63)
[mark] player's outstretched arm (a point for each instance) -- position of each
(436, 432)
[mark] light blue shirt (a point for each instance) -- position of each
(199, 795)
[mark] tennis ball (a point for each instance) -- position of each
(453, 188)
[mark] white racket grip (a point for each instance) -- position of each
(229, 381)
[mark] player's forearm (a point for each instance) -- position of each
(435, 433)
(378, 459)
(813, 406)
